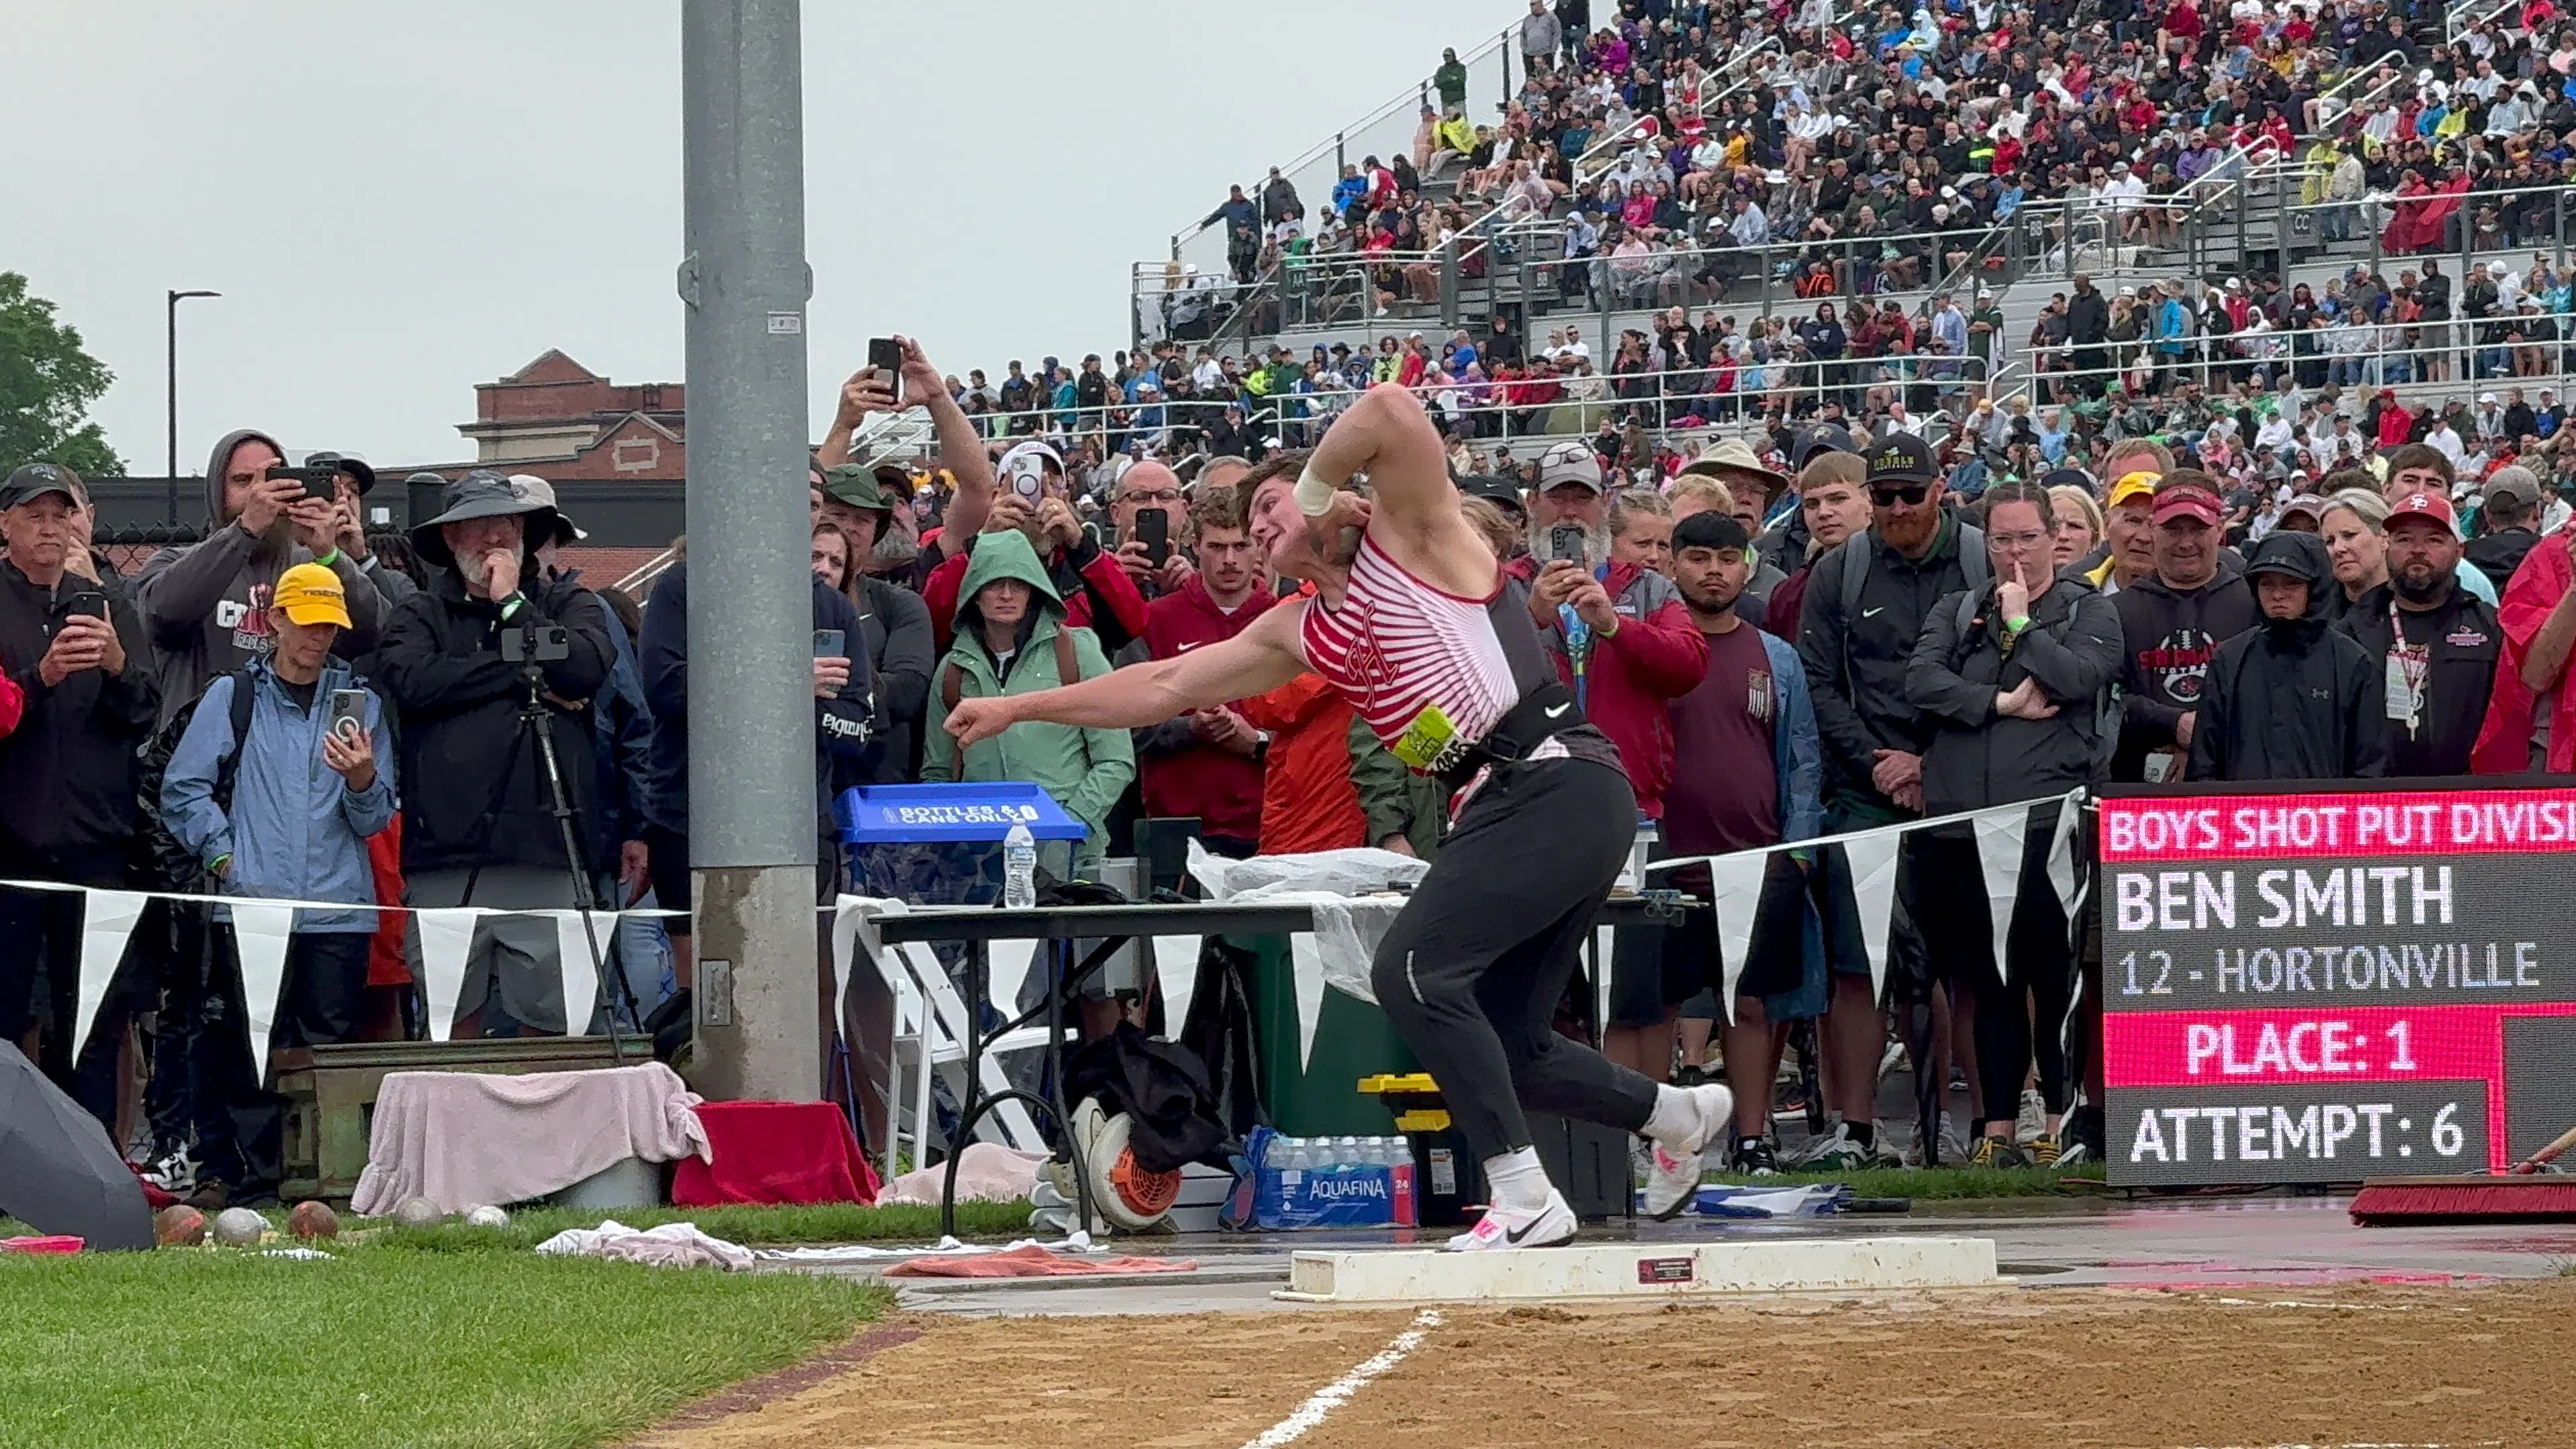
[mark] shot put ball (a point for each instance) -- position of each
(418, 1212)
(239, 1227)
(312, 1220)
(178, 1226)
(486, 1216)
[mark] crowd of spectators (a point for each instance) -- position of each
(1801, 630)
(1806, 573)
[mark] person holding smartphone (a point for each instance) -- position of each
(2014, 679)
(73, 652)
(288, 830)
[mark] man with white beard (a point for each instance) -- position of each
(489, 838)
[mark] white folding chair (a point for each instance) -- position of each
(928, 1004)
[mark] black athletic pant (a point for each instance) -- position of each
(1474, 966)
(2038, 947)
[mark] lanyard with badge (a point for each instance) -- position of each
(2410, 668)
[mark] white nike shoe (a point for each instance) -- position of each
(1501, 1230)
(1673, 1169)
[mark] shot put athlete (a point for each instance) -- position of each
(1409, 621)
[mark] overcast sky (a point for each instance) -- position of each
(400, 201)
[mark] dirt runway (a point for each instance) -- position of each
(2041, 1369)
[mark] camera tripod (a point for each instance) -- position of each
(530, 648)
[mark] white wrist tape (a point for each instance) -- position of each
(1314, 495)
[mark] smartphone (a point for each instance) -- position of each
(88, 601)
(1154, 529)
(321, 485)
(886, 356)
(830, 644)
(1565, 541)
(348, 714)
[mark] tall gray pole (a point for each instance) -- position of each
(751, 694)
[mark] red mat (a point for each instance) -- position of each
(1033, 1261)
(775, 1152)
(59, 1243)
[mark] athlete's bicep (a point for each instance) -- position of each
(1387, 436)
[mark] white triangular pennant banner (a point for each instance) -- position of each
(1736, 883)
(1604, 956)
(446, 940)
(1176, 971)
(1007, 966)
(261, 935)
(1999, 846)
(1306, 963)
(109, 921)
(2061, 857)
(573, 945)
(1872, 858)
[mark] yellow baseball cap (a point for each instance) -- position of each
(311, 594)
(2141, 484)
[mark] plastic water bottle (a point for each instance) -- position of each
(1346, 1154)
(1019, 868)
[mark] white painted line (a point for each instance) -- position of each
(2335, 1308)
(1337, 1393)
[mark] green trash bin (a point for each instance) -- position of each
(1353, 1039)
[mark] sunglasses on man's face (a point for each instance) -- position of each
(1911, 493)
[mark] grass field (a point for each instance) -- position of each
(385, 1346)
(448, 1336)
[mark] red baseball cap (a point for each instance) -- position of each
(2188, 501)
(2425, 505)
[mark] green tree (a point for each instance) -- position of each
(47, 384)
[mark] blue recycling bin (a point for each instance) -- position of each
(941, 845)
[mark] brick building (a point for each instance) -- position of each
(563, 422)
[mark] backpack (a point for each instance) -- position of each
(1972, 562)
(173, 866)
(1068, 670)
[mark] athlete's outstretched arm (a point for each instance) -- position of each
(1262, 657)
(1387, 436)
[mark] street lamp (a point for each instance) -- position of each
(175, 299)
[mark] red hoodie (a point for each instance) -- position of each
(1220, 787)
(1658, 654)
(1085, 578)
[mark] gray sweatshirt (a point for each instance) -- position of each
(205, 607)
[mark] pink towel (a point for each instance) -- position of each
(1034, 1262)
(462, 1139)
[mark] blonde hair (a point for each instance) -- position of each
(1627, 505)
(2078, 502)
(1500, 534)
(2364, 504)
(1702, 492)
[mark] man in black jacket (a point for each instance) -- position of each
(2293, 698)
(478, 825)
(1866, 603)
(2436, 647)
(2172, 622)
(2088, 325)
(845, 754)
(67, 810)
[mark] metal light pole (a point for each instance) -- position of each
(175, 299)
(751, 694)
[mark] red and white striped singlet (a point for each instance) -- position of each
(1400, 650)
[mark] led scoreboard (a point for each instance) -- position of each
(2322, 987)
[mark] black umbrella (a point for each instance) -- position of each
(58, 1171)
